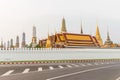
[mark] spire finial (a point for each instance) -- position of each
(81, 28)
(108, 37)
(63, 28)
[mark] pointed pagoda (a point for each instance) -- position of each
(63, 28)
(98, 36)
(108, 42)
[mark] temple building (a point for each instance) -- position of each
(34, 38)
(98, 37)
(65, 39)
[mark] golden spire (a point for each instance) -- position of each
(63, 28)
(98, 36)
(48, 42)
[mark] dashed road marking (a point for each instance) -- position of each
(89, 64)
(96, 63)
(51, 68)
(102, 63)
(26, 70)
(61, 67)
(7, 73)
(40, 69)
(83, 64)
(118, 78)
(69, 66)
(107, 63)
(75, 65)
(79, 72)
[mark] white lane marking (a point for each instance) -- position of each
(69, 66)
(96, 63)
(26, 70)
(89, 64)
(75, 65)
(83, 64)
(107, 63)
(51, 68)
(40, 69)
(7, 73)
(102, 63)
(66, 75)
(61, 67)
(118, 78)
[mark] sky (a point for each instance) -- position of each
(18, 16)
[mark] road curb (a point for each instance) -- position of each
(59, 61)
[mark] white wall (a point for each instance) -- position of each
(58, 54)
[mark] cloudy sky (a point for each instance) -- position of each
(17, 16)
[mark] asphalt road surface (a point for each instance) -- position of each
(75, 71)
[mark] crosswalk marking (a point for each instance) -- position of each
(69, 66)
(40, 69)
(51, 68)
(26, 70)
(75, 65)
(7, 73)
(61, 67)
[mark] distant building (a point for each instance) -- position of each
(1, 46)
(11, 43)
(34, 38)
(23, 40)
(17, 42)
(8, 44)
(4, 46)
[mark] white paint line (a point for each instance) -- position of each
(83, 64)
(51, 68)
(107, 63)
(89, 64)
(102, 63)
(40, 69)
(75, 65)
(26, 70)
(66, 75)
(61, 67)
(7, 73)
(96, 63)
(118, 78)
(69, 66)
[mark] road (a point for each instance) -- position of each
(75, 71)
